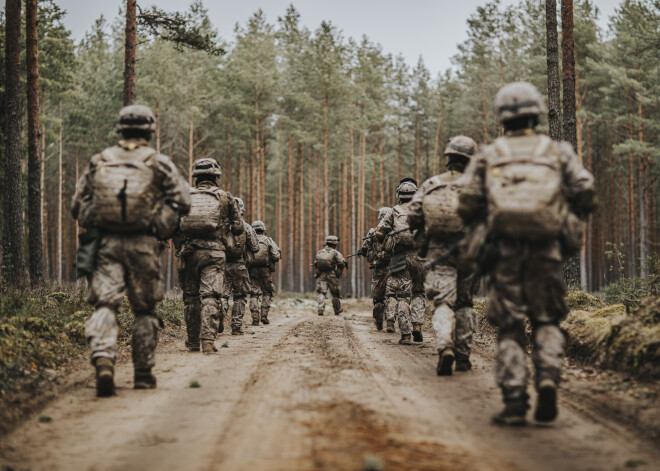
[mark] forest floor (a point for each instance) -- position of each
(312, 393)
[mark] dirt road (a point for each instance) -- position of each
(309, 392)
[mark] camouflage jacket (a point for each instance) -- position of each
(374, 250)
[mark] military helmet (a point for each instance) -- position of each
(332, 240)
(517, 100)
(461, 145)
(384, 212)
(407, 188)
(241, 204)
(206, 166)
(259, 226)
(136, 118)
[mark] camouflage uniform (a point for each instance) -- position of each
(433, 211)
(405, 284)
(202, 261)
(379, 260)
(525, 278)
(261, 282)
(237, 281)
(328, 279)
(128, 257)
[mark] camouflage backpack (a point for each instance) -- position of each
(235, 246)
(325, 260)
(441, 205)
(125, 191)
(400, 216)
(206, 212)
(261, 258)
(525, 188)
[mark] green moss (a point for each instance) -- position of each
(579, 300)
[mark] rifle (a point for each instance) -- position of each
(356, 254)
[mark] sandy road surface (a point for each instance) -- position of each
(312, 392)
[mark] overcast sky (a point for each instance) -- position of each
(430, 28)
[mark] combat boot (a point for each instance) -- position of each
(144, 379)
(255, 322)
(193, 346)
(264, 319)
(390, 327)
(463, 363)
(405, 339)
(379, 322)
(513, 414)
(445, 362)
(236, 331)
(546, 405)
(105, 373)
(208, 346)
(417, 333)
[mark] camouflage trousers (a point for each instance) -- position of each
(520, 287)
(454, 320)
(202, 277)
(328, 281)
(379, 276)
(237, 284)
(404, 293)
(261, 292)
(125, 264)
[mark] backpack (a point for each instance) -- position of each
(440, 206)
(205, 212)
(125, 191)
(325, 260)
(525, 189)
(400, 217)
(235, 246)
(261, 258)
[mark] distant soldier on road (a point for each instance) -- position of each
(201, 244)
(434, 212)
(328, 267)
(237, 281)
(533, 196)
(405, 284)
(379, 262)
(261, 265)
(128, 198)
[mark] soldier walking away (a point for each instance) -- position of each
(379, 262)
(237, 278)
(201, 243)
(261, 265)
(434, 212)
(128, 198)
(533, 196)
(405, 284)
(328, 267)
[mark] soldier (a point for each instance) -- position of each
(379, 262)
(328, 267)
(237, 281)
(201, 244)
(532, 195)
(128, 198)
(434, 212)
(405, 284)
(260, 268)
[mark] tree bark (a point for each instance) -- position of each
(35, 243)
(554, 114)
(14, 262)
(130, 47)
(571, 268)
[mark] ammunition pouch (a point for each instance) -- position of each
(88, 246)
(398, 260)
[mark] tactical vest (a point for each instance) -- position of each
(209, 214)
(262, 258)
(440, 205)
(400, 217)
(125, 190)
(325, 260)
(525, 189)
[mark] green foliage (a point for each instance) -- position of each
(629, 291)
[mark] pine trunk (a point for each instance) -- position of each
(130, 47)
(35, 247)
(554, 114)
